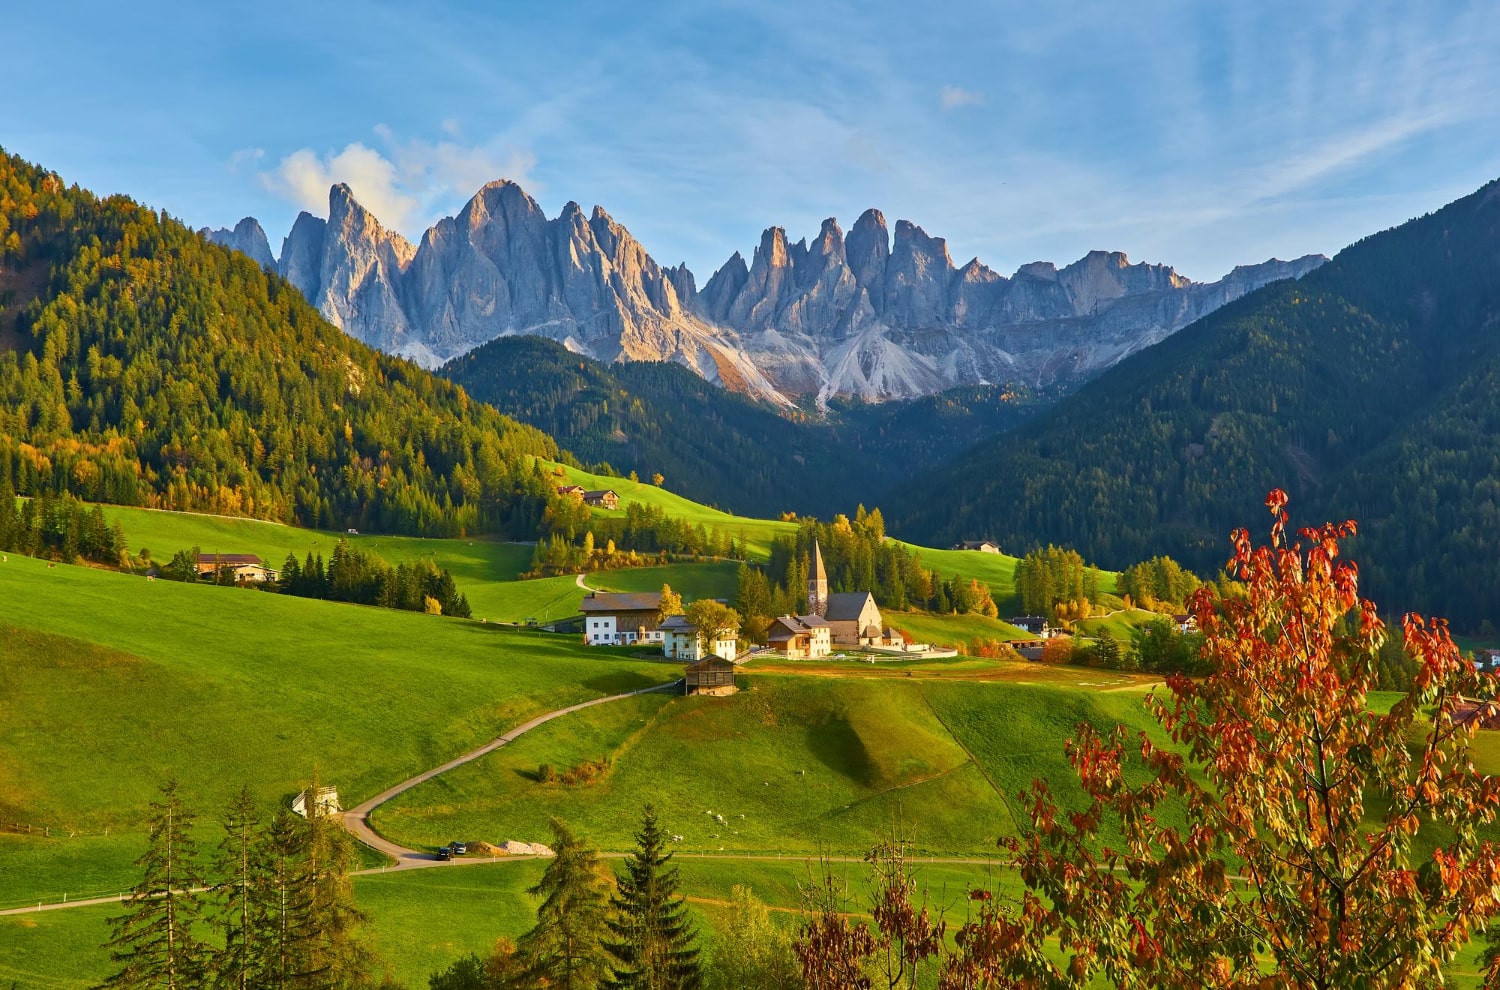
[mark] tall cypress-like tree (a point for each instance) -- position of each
(338, 955)
(154, 937)
(565, 949)
(653, 935)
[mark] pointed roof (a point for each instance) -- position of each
(818, 573)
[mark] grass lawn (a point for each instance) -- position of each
(477, 565)
(793, 764)
(1124, 626)
(111, 684)
(718, 579)
(757, 533)
(953, 630)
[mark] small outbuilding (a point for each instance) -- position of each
(713, 675)
(983, 546)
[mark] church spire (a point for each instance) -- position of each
(817, 584)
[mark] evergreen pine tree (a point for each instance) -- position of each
(653, 934)
(154, 938)
(238, 867)
(338, 956)
(283, 906)
(565, 949)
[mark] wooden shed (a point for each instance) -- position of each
(713, 675)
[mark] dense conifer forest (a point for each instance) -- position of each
(724, 449)
(141, 365)
(1369, 389)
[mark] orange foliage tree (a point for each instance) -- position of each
(1289, 837)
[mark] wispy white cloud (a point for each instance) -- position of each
(953, 97)
(404, 183)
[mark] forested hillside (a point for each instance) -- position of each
(1369, 389)
(720, 447)
(141, 365)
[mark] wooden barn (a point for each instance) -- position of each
(713, 675)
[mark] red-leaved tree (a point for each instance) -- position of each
(1290, 835)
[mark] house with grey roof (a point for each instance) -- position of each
(614, 619)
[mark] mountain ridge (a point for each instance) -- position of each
(880, 314)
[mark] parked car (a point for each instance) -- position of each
(444, 852)
(459, 848)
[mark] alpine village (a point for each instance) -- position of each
(413, 579)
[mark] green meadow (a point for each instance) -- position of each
(111, 684)
(793, 764)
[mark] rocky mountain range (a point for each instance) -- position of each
(869, 315)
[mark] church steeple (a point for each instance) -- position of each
(817, 584)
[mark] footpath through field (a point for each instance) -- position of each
(357, 820)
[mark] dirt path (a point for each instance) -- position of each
(357, 820)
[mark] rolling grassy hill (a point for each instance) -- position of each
(795, 765)
(112, 684)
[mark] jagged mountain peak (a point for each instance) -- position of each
(878, 312)
(248, 238)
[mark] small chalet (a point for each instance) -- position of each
(611, 619)
(801, 637)
(571, 491)
(983, 546)
(246, 567)
(680, 641)
(1034, 624)
(1487, 661)
(605, 499)
(854, 619)
(1186, 622)
(713, 675)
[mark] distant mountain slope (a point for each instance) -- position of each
(141, 365)
(1370, 390)
(720, 448)
(871, 316)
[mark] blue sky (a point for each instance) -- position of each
(1200, 135)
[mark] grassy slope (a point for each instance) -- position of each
(947, 630)
(112, 683)
(811, 762)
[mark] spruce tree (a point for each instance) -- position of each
(283, 913)
(338, 956)
(565, 950)
(154, 938)
(653, 937)
(238, 867)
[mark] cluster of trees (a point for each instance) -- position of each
(60, 527)
(152, 368)
(274, 910)
(1052, 577)
(1157, 583)
(588, 936)
(352, 575)
(556, 555)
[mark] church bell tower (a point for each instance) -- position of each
(817, 584)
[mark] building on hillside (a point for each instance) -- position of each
(983, 546)
(605, 499)
(1035, 624)
(854, 619)
(713, 675)
(817, 584)
(327, 801)
(801, 637)
(571, 491)
(246, 567)
(1185, 622)
(1487, 661)
(680, 641)
(611, 619)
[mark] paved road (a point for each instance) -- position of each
(357, 820)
